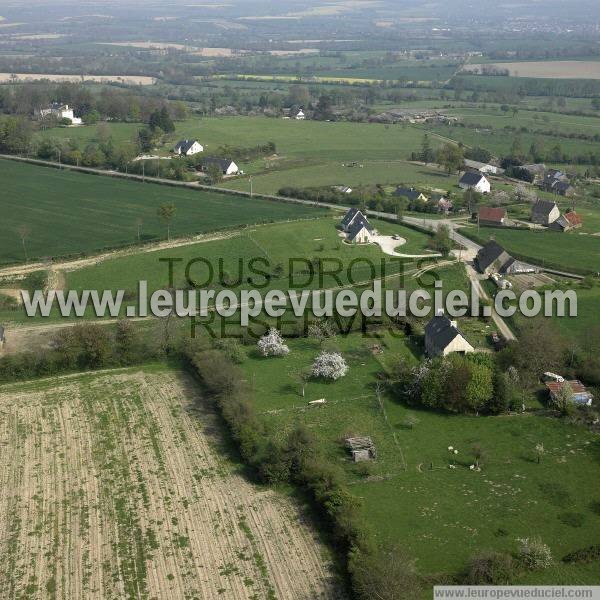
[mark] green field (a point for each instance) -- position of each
(276, 243)
(545, 248)
(70, 213)
(334, 173)
(441, 516)
(305, 139)
(494, 117)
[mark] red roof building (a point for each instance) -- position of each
(493, 216)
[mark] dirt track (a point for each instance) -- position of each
(111, 488)
(73, 265)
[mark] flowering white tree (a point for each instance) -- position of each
(535, 554)
(329, 365)
(272, 344)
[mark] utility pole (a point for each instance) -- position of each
(143, 170)
(251, 188)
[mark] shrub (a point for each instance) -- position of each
(272, 344)
(534, 554)
(490, 568)
(329, 365)
(584, 555)
(384, 573)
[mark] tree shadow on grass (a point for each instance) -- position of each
(434, 174)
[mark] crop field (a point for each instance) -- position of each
(441, 515)
(118, 485)
(126, 79)
(69, 213)
(551, 69)
(545, 248)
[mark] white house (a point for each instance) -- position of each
(475, 181)
(442, 337)
(360, 232)
(227, 166)
(300, 116)
(60, 111)
(357, 227)
(188, 148)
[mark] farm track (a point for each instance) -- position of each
(74, 265)
(112, 487)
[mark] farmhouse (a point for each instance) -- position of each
(300, 115)
(570, 220)
(361, 231)
(581, 395)
(442, 337)
(60, 111)
(357, 227)
(227, 166)
(492, 216)
(188, 148)
(410, 193)
(493, 258)
(544, 212)
(484, 168)
(475, 181)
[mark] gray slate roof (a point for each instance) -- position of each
(471, 178)
(357, 225)
(409, 193)
(222, 163)
(184, 145)
(349, 216)
(440, 331)
(490, 253)
(543, 208)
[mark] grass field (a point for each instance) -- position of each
(441, 516)
(325, 173)
(305, 139)
(275, 243)
(119, 485)
(494, 117)
(500, 142)
(545, 248)
(69, 213)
